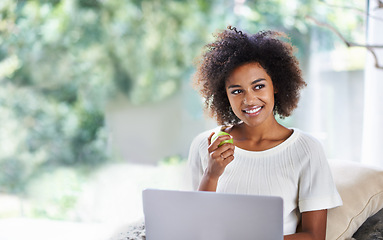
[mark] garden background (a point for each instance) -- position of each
(96, 101)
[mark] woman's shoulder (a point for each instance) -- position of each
(306, 136)
(307, 142)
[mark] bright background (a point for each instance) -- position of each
(96, 101)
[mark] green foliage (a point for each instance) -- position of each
(172, 160)
(55, 193)
(62, 60)
(12, 175)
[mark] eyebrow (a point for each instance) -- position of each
(254, 82)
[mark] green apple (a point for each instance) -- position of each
(224, 141)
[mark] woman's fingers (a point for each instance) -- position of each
(223, 153)
(228, 160)
(209, 138)
(215, 144)
(229, 152)
(220, 156)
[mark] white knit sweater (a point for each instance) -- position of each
(296, 170)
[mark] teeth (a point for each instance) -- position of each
(253, 110)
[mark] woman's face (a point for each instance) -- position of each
(251, 94)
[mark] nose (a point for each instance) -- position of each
(250, 98)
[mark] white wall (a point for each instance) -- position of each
(151, 132)
(331, 109)
(373, 107)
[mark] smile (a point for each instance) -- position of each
(252, 110)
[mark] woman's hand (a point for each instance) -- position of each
(219, 158)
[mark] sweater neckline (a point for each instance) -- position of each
(274, 149)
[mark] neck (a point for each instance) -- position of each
(267, 130)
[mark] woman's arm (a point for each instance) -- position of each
(313, 226)
(219, 158)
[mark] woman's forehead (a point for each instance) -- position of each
(248, 72)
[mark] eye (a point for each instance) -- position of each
(236, 91)
(259, 86)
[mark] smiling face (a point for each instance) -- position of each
(251, 94)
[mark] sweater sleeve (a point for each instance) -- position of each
(317, 189)
(195, 161)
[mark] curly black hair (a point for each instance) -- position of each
(233, 48)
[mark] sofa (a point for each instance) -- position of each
(359, 218)
(361, 189)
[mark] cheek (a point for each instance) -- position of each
(269, 96)
(236, 107)
(232, 103)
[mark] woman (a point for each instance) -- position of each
(246, 80)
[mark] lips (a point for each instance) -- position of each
(252, 110)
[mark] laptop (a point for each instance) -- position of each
(184, 215)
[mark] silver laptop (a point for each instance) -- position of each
(184, 215)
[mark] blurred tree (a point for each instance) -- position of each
(61, 60)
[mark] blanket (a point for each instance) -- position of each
(371, 229)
